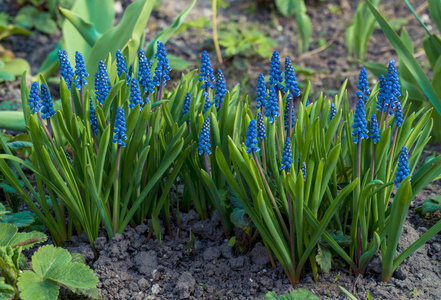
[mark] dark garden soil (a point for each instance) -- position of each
(129, 267)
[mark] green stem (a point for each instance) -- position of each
(116, 192)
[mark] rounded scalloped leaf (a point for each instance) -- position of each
(32, 287)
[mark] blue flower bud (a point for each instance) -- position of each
(66, 69)
(286, 160)
(120, 128)
(398, 114)
(275, 72)
(47, 110)
(162, 66)
(261, 92)
(221, 89)
(135, 94)
(375, 135)
(363, 85)
(206, 76)
(102, 83)
(187, 103)
(403, 166)
(261, 131)
(144, 73)
(80, 70)
(290, 79)
(93, 117)
(207, 103)
(272, 108)
(34, 98)
(204, 138)
(121, 65)
(333, 111)
(360, 124)
(252, 137)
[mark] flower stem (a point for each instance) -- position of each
(262, 146)
(116, 191)
(207, 166)
(285, 230)
(290, 117)
(291, 228)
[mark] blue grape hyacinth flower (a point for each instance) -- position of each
(287, 115)
(360, 124)
(403, 166)
(374, 130)
(261, 131)
(121, 65)
(206, 76)
(93, 117)
(47, 110)
(393, 87)
(290, 79)
(66, 69)
(286, 160)
(303, 168)
(34, 98)
(221, 89)
(102, 83)
(144, 73)
(204, 138)
(251, 140)
(261, 91)
(272, 108)
(333, 111)
(207, 103)
(398, 114)
(80, 70)
(120, 128)
(363, 85)
(135, 94)
(162, 66)
(187, 103)
(275, 72)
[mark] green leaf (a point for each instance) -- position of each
(20, 219)
(16, 66)
(429, 206)
(45, 23)
(18, 145)
(167, 33)
(87, 30)
(297, 294)
(323, 258)
(232, 241)
(286, 7)
(6, 290)
(127, 33)
(33, 288)
(75, 275)
(352, 297)
(238, 218)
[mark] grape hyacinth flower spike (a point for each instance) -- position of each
(275, 73)
(290, 79)
(120, 128)
(333, 111)
(381, 94)
(398, 114)
(261, 134)
(206, 76)
(261, 92)
(81, 73)
(375, 136)
(186, 109)
(393, 89)
(221, 89)
(162, 68)
(272, 108)
(252, 138)
(121, 65)
(360, 124)
(207, 103)
(93, 117)
(286, 160)
(47, 110)
(403, 166)
(66, 69)
(145, 75)
(204, 143)
(102, 83)
(303, 168)
(34, 98)
(135, 95)
(363, 85)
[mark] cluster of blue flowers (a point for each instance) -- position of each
(187, 103)
(34, 98)
(135, 94)
(275, 72)
(162, 66)
(403, 166)
(360, 124)
(389, 89)
(333, 111)
(207, 103)
(290, 79)
(121, 65)
(66, 69)
(363, 85)
(102, 83)
(47, 109)
(252, 137)
(144, 74)
(204, 138)
(221, 89)
(120, 128)
(261, 131)
(80, 70)
(207, 75)
(261, 92)
(272, 107)
(375, 135)
(93, 117)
